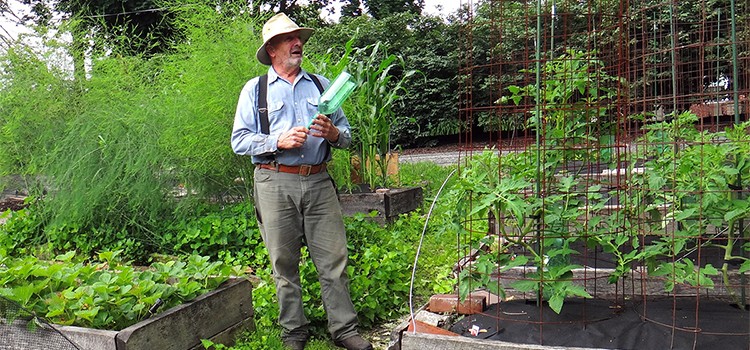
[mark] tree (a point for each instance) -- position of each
(380, 9)
(427, 44)
(125, 27)
(145, 25)
(351, 8)
(297, 10)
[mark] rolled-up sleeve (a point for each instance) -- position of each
(345, 134)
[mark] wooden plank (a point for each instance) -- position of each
(229, 335)
(88, 338)
(420, 341)
(429, 329)
(403, 200)
(362, 203)
(183, 327)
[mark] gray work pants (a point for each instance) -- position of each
(291, 207)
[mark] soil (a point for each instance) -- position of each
(11, 203)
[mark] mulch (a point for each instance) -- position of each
(11, 203)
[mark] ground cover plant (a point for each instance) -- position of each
(106, 293)
(380, 267)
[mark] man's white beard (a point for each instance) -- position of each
(293, 62)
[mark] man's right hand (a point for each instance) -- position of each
(294, 138)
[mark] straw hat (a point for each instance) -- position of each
(276, 25)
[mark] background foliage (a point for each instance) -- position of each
(135, 158)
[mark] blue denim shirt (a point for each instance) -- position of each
(289, 105)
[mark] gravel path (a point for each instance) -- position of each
(439, 158)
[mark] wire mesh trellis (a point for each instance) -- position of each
(619, 174)
(21, 329)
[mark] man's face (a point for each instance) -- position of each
(286, 50)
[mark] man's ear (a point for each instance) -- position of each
(271, 50)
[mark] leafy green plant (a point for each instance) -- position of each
(693, 179)
(481, 192)
(228, 233)
(572, 103)
(107, 294)
(575, 96)
(141, 138)
(34, 98)
(380, 79)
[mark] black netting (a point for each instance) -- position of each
(20, 329)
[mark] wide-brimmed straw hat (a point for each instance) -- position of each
(277, 25)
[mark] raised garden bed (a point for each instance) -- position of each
(387, 203)
(218, 316)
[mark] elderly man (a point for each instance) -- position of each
(295, 199)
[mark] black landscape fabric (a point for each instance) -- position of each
(668, 323)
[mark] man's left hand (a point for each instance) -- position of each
(322, 126)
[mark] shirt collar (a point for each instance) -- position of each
(273, 76)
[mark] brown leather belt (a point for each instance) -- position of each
(303, 170)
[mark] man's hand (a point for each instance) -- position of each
(322, 126)
(294, 138)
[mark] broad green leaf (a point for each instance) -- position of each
(525, 286)
(88, 314)
(710, 270)
(573, 289)
(556, 302)
(745, 267)
(685, 214)
(519, 260)
(463, 289)
(66, 257)
(668, 285)
(735, 214)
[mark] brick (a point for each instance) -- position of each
(449, 303)
(428, 329)
(431, 318)
(489, 298)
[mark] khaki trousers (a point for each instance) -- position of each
(293, 210)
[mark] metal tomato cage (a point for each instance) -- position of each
(624, 120)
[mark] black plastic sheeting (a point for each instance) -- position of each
(668, 323)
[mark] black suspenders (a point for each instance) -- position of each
(263, 100)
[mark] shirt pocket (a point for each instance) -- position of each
(275, 108)
(312, 106)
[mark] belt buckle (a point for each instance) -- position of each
(306, 172)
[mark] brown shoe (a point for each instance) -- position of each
(355, 342)
(295, 344)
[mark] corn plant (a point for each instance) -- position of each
(380, 79)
